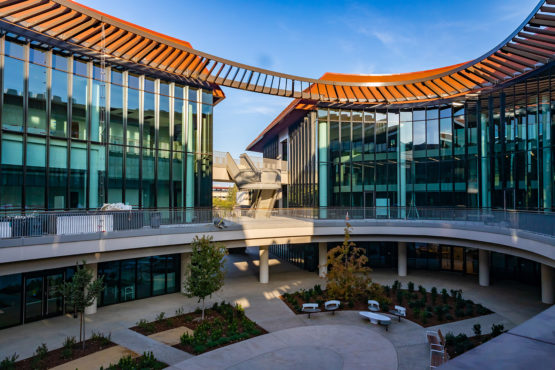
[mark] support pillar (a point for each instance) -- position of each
(264, 267)
(483, 267)
(323, 259)
(185, 261)
(93, 268)
(402, 258)
(547, 284)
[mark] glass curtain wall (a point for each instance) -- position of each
(302, 190)
(493, 153)
(75, 135)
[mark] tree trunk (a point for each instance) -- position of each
(84, 330)
(80, 328)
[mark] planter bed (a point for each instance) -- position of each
(48, 359)
(422, 307)
(223, 325)
(459, 344)
(144, 362)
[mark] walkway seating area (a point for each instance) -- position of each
(332, 306)
(373, 305)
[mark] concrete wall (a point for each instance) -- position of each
(18, 255)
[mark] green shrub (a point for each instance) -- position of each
(423, 316)
(497, 330)
(41, 352)
(439, 312)
(422, 291)
(444, 295)
(400, 297)
(396, 285)
(450, 339)
(148, 361)
(179, 311)
(481, 309)
(477, 328)
(145, 325)
(67, 348)
(212, 343)
(199, 348)
(411, 286)
(160, 316)
(8, 363)
(449, 317)
(239, 310)
(351, 303)
(469, 311)
(254, 332)
(318, 289)
(186, 339)
(98, 337)
(387, 290)
(459, 313)
(433, 295)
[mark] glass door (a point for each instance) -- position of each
(34, 293)
(54, 300)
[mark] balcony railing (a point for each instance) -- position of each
(91, 222)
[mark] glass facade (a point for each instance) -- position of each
(137, 278)
(75, 135)
(492, 152)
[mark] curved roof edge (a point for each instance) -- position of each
(529, 47)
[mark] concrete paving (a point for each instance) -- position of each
(512, 302)
(314, 347)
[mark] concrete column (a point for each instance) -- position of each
(93, 268)
(185, 260)
(264, 267)
(547, 284)
(323, 259)
(402, 258)
(483, 267)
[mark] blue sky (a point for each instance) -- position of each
(309, 38)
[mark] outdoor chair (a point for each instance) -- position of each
(332, 306)
(373, 306)
(310, 308)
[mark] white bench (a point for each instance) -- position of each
(373, 305)
(376, 318)
(332, 306)
(310, 308)
(399, 311)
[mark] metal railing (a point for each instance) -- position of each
(537, 222)
(90, 222)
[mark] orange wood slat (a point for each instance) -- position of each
(464, 81)
(6, 11)
(426, 90)
(78, 29)
(449, 90)
(137, 54)
(359, 94)
(454, 83)
(181, 57)
(473, 77)
(330, 92)
(349, 93)
(67, 25)
(190, 58)
(405, 92)
(377, 94)
(128, 46)
(395, 92)
(171, 58)
(118, 43)
(368, 94)
(30, 12)
(55, 13)
(110, 39)
(150, 56)
(43, 27)
(91, 37)
(160, 58)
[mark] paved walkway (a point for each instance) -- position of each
(512, 302)
(327, 347)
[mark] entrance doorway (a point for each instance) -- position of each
(41, 298)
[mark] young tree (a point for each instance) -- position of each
(206, 269)
(81, 292)
(347, 277)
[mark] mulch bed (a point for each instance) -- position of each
(193, 320)
(410, 300)
(137, 361)
(54, 358)
(475, 341)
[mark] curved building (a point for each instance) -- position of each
(95, 110)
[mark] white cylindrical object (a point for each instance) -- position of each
(483, 267)
(323, 259)
(402, 258)
(264, 267)
(93, 268)
(547, 284)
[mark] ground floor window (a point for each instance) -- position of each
(137, 278)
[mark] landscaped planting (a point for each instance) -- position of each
(145, 362)
(423, 307)
(71, 350)
(458, 344)
(223, 324)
